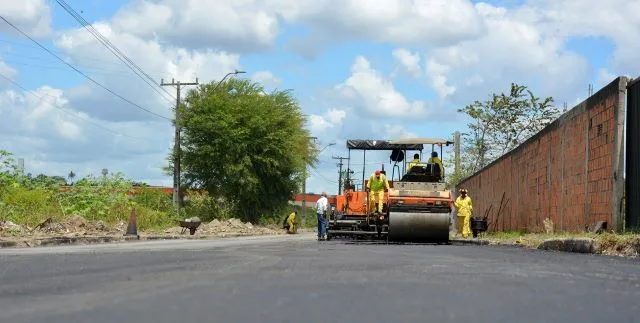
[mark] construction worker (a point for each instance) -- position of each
(414, 162)
(290, 222)
(464, 208)
(376, 186)
(435, 160)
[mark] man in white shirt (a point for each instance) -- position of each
(322, 206)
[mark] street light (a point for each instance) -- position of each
(231, 73)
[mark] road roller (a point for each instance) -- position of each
(417, 206)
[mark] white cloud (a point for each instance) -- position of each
(174, 63)
(604, 77)
(513, 50)
(398, 132)
(31, 16)
(248, 25)
(617, 20)
(266, 78)
(408, 61)
(336, 116)
(332, 119)
(41, 127)
(436, 73)
(6, 71)
(377, 95)
(431, 23)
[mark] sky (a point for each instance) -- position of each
(359, 69)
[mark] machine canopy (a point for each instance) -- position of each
(402, 144)
(363, 144)
(421, 141)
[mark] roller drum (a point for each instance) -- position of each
(419, 227)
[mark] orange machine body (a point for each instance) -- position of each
(354, 203)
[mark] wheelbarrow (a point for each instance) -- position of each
(190, 225)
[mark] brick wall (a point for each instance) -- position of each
(568, 172)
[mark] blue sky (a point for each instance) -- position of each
(377, 71)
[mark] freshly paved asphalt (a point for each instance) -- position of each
(297, 279)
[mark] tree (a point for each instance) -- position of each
(244, 145)
(500, 124)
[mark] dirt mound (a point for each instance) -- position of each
(74, 225)
(227, 227)
(79, 226)
(9, 228)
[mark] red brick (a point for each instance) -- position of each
(546, 177)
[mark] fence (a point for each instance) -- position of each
(570, 173)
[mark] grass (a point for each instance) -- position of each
(627, 243)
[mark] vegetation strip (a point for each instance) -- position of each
(627, 245)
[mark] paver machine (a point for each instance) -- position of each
(416, 208)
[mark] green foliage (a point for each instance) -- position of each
(150, 219)
(500, 124)
(202, 205)
(102, 198)
(28, 206)
(9, 173)
(466, 168)
(29, 200)
(156, 200)
(245, 146)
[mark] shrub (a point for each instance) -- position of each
(154, 199)
(149, 219)
(98, 198)
(205, 207)
(28, 206)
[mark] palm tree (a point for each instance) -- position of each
(71, 176)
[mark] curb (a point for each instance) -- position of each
(576, 245)
(88, 240)
(478, 242)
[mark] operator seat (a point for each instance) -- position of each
(416, 173)
(435, 172)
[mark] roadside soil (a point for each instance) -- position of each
(77, 226)
(625, 245)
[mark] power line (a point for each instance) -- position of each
(92, 70)
(68, 112)
(89, 27)
(105, 67)
(323, 177)
(102, 62)
(80, 72)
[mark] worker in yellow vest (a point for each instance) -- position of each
(290, 223)
(464, 206)
(376, 186)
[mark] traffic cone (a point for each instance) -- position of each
(132, 228)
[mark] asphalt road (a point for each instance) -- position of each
(297, 279)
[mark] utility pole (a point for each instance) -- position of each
(176, 144)
(456, 145)
(340, 172)
(304, 191)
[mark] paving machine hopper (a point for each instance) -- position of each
(416, 208)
